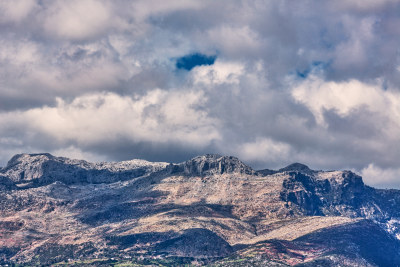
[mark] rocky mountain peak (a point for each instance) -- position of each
(44, 168)
(28, 158)
(24, 167)
(211, 164)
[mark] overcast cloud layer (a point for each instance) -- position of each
(316, 82)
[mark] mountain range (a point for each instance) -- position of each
(211, 210)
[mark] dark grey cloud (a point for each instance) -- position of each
(306, 81)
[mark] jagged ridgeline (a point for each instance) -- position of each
(210, 210)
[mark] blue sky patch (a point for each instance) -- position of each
(188, 62)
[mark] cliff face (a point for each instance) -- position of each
(340, 193)
(53, 209)
(211, 164)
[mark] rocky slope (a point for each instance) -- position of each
(211, 210)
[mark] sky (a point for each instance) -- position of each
(270, 82)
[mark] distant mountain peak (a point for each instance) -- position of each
(298, 167)
(295, 167)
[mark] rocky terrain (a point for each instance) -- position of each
(210, 210)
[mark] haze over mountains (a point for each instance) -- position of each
(209, 210)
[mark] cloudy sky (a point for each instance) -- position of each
(316, 82)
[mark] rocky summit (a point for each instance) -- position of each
(211, 210)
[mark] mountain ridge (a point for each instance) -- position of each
(200, 165)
